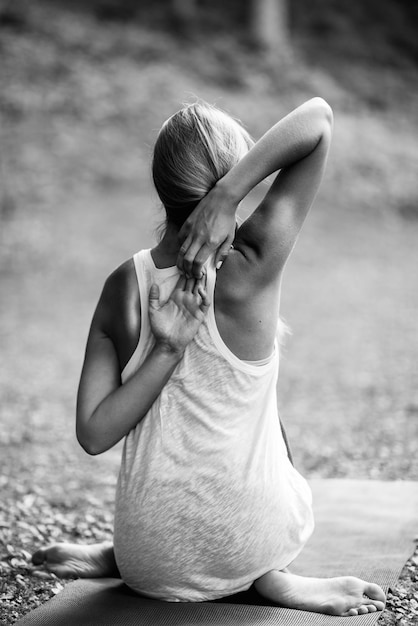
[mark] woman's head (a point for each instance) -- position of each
(195, 147)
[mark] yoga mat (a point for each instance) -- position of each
(363, 528)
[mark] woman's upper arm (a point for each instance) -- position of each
(113, 336)
(268, 236)
(99, 377)
(100, 374)
(116, 322)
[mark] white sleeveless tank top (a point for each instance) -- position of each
(207, 500)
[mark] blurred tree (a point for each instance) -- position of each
(184, 14)
(269, 26)
(12, 14)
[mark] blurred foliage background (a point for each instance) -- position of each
(85, 85)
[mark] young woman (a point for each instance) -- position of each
(182, 362)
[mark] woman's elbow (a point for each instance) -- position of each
(88, 443)
(323, 110)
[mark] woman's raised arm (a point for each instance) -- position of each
(297, 146)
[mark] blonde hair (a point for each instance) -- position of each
(195, 147)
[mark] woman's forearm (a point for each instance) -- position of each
(127, 405)
(290, 140)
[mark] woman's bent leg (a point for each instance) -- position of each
(344, 596)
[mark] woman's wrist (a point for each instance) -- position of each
(165, 350)
(228, 193)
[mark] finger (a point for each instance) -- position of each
(222, 254)
(183, 249)
(154, 296)
(200, 259)
(200, 284)
(190, 285)
(205, 304)
(189, 257)
(181, 283)
(203, 294)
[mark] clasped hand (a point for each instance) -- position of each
(175, 322)
(210, 228)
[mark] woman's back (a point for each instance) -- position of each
(247, 321)
(205, 467)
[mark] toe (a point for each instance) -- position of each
(350, 613)
(374, 592)
(362, 610)
(39, 556)
(371, 608)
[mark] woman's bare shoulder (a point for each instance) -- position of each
(120, 283)
(118, 312)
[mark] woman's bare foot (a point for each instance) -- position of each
(82, 561)
(344, 596)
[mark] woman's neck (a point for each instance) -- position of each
(166, 251)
